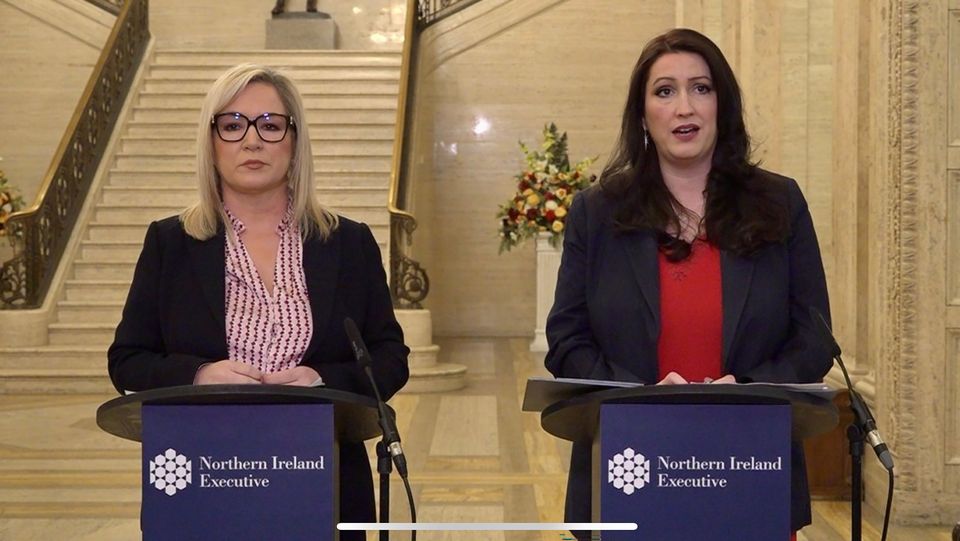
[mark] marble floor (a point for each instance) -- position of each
(473, 456)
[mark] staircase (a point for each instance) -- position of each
(350, 99)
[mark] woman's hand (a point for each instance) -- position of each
(725, 379)
(298, 375)
(673, 379)
(227, 371)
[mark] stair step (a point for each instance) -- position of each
(177, 162)
(343, 196)
(387, 85)
(76, 290)
(85, 334)
(300, 74)
(280, 57)
(135, 232)
(46, 381)
(117, 232)
(320, 131)
(311, 102)
(103, 270)
(127, 249)
(65, 357)
(110, 250)
(107, 312)
(160, 146)
(186, 177)
(331, 116)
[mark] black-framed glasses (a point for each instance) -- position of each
(271, 127)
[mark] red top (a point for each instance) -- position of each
(691, 315)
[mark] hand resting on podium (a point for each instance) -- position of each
(234, 372)
(672, 378)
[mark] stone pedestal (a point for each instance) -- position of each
(548, 264)
(301, 30)
(426, 374)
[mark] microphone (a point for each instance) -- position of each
(860, 409)
(388, 421)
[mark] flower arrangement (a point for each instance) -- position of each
(10, 201)
(545, 190)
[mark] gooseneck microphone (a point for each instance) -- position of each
(860, 409)
(388, 421)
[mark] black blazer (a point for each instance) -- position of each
(174, 321)
(605, 320)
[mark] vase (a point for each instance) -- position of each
(548, 264)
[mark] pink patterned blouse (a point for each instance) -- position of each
(270, 332)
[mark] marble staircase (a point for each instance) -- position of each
(351, 107)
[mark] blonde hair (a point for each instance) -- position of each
(202, 219)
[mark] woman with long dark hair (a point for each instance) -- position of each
(687, 262)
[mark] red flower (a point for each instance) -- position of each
(531, 175)
(513, 214)
(531, 214)
(524, 185)
(550, 196)
(550, 215)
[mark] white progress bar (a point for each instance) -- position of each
(486, 526)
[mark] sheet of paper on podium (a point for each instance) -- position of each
(543, 391)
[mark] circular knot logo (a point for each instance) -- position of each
(170, 472)
(628, 471)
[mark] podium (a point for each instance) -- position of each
(685, 461)
(240, 461)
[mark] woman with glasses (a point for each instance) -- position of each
(251, 284)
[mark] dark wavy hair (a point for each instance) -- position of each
(745, 209)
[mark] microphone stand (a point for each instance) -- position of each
(863, 428)
(388, 448)
(855, 437)
(384, 469)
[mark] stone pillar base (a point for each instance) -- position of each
(301, 30)
(426, 374)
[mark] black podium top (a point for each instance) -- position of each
(354, 419)
(577, 418)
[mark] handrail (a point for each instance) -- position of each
(409, 283)
(41, 231)
(431, 11)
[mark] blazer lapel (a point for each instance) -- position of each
(641, 249)
(208, 259)
(736, 274)
(321, 265)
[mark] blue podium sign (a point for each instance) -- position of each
(684, 471)
(238, 472)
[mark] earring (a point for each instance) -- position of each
(646, 140)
